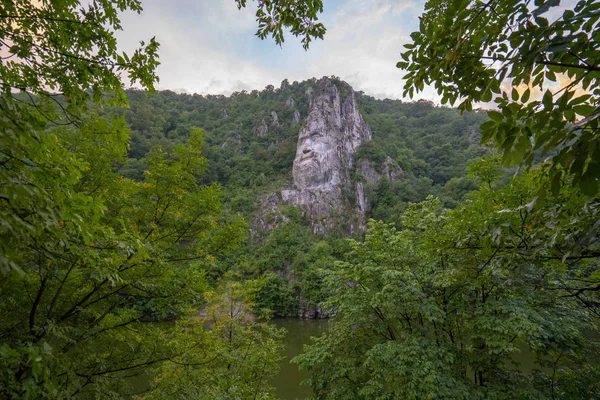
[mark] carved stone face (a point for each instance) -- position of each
(307, 150)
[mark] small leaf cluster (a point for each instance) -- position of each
(299, 16)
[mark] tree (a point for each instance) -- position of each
(238, 354)
(89, 257)
(538, 62)
(95, 255)
(58, 57)
(444, 307)
(440, 308)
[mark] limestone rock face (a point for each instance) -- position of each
(309, 96)
(390, 169)
(269, 216)
(275, 119)
(366, 169)
(327, 143)
(261, 129)
(361, 198)
(290, 103)
(296, 118)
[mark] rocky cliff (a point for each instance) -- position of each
(327, 144)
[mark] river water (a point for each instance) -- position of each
(299, 331)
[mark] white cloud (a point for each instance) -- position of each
(209, 47)
(364, 44)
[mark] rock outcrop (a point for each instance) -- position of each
(296, 119)
(309, 96)
(261, 129)
(327, 143)
(390, 170)
(269, 215)
(312, 312)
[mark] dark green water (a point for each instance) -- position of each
(287, 382)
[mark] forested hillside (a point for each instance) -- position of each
(250, 141)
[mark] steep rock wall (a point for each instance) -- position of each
(327, 143)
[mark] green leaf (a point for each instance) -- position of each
(585, 110)
(486, 96)
(570, 115)
(487, 125)
(589, 183)
(495, 115)
(580, 99)
(555, 183)
(547, 100)
(545, 7)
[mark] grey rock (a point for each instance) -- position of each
(361, 199)
(367, 170)
(269, 215)
(290, 103)
(270, 201)
(296, 118)
(290, 196)
(308, 312)
(327, 144)
(275, 118)
(309, 96)
(261, 129)
(391, 170)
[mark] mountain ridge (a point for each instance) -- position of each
(251, 143)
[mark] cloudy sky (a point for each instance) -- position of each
(209, 46)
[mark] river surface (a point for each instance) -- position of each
(299, 331)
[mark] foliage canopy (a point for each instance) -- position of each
(68, 50)
(89, 257)
(443, 307)
(537, 61)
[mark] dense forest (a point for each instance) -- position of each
(135, 260)
(432, 145)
